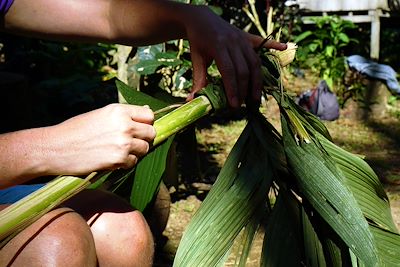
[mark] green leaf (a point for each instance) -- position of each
(149, 52)
(313, 47)
(148, 175)
(388, 246)
(313, 250)
(365, 185)
(100, 181)
(147, 56)
(329, 50)
(323, 186)
(135, 97)
(302, 36)
(168, 59)
(216, 9)
(238, 192)
(343, 37)
(147, 67)
(282, 234)
(247, 238)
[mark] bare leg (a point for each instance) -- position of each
(122, 236)
(59, 238)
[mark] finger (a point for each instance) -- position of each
(141, 114)
(275, 45)
(257, 40)
(244, 60)
(199, 73)
(254, 63)
(227, 70)
(242, 71)
(130, 161)
(143, 131)
(139, 147)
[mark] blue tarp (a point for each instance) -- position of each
(375, 70)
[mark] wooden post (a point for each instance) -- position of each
(376, 98)
(375, 33)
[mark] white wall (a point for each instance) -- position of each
(342, 5)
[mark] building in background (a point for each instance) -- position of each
(361, 11)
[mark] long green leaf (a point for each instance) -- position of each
(239, 191)
(135, 97)
(282, 234)
(323, 186)
(148, 175)
(388, 246)
(365, 185)
(313, 250)
(247, 237)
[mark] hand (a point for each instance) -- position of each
(107, 138)
(212, 38)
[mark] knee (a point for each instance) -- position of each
(70, 239)
(60, 237)
(124, 239)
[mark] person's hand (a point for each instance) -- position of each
(108, 138)
(212, 38)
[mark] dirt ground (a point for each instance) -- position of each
(378, 140)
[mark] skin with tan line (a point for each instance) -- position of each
(114, 136)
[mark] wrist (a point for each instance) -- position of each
(188, 15)
(24, 156)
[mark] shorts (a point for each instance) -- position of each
(12, 194)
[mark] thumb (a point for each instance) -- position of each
(199, 74)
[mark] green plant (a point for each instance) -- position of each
(330, 209)
(322, 48)
(290, 16)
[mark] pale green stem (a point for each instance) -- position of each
(22, 213)
(180, 118)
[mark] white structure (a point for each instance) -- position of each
(342, 5)
(358, 11)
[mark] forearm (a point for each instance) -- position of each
(108, 138)
(134, 22)
(23, 156)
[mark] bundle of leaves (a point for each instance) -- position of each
(323, 205)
